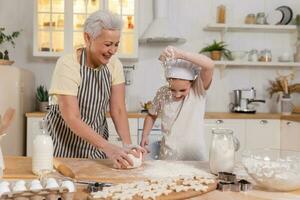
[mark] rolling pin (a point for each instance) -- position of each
(63, 169)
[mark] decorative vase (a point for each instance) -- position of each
(43, 106)
(297, 53)
(286, 104)
(216, 55)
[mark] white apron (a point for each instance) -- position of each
(183, 135)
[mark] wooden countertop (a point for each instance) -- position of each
(210, 115)
(20, 168)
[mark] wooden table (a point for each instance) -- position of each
(20, 168)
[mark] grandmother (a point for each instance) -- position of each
(84, 85)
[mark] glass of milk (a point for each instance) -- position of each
(222, 149)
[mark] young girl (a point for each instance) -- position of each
(181, 105)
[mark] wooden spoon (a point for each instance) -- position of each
(6, 120)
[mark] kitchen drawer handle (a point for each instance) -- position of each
(263, 122)
(219, 121)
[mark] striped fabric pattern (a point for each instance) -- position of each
(93, 99)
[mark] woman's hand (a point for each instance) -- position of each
(135, 150)
(118, 155)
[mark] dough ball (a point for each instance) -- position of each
(137, 162)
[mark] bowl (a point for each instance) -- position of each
(273, 169)
(239, 55)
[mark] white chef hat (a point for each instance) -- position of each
(181, 69)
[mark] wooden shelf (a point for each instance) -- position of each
(250, 27)
(256, 64)
(6, 62)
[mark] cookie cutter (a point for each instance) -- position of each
(227, 177)
(229, 182)
(245, 185)
(224, 186)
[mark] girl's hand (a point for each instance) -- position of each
(145, 142)
(170, 53)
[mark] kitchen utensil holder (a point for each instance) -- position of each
(286, 105)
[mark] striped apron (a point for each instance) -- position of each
(93, 97)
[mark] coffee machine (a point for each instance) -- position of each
(242, 100)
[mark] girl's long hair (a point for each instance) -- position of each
(197, 86)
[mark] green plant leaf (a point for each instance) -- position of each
(215, 46)
(42, 93)
(8, 37)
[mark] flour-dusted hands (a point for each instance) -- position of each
(145, 142)
(118, 155)
(135, 150)
(171, 53)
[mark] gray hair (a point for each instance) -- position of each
(102, 19)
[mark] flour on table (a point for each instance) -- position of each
(163, 169)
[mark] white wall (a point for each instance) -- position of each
(190, 17)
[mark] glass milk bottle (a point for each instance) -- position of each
(42, 156)
(222, 149)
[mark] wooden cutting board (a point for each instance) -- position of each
(103, 171)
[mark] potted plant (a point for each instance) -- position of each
(216, 50)
(7, 38)
(284, 90)
(42, 98)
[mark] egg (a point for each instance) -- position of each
(20, 182)
(51, 183)
(4, 183)
(69, 185)
(4, 189)
(19, 188)
(35, 185)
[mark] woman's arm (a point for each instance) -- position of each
(120, 118)
(118, 112)
(68, 106)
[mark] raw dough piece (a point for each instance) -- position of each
(137, 162)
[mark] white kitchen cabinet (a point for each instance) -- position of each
(262, 133)
(58, 25)
(236, 125)
(33, 129)
(113, 135)
(290, 135)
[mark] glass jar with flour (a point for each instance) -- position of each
(222, 150)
